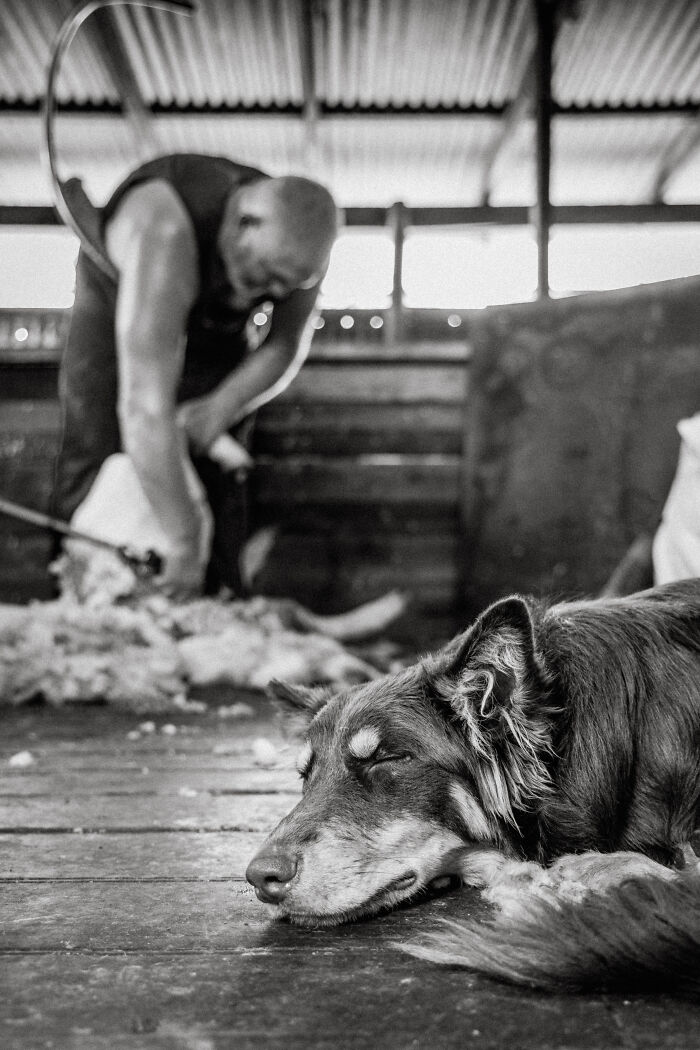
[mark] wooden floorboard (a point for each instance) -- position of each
(120, 855)
(126, 922)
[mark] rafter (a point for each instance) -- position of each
(517, 110)
(686, 142)
(112, 49)
(309, 21)
(506, 215)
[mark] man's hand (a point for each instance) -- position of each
(182, 577)
(206, 437)
(185, 562)
(201, 422)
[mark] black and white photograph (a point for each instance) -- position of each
(349, 524)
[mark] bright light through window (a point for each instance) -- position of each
(37, 268)
(469, 269)
(453, 269)
(361, 272)
(600, 257)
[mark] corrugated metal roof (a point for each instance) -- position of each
(423, 54)
(635, 53)
(394, 52)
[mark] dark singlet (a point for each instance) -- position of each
(203, 184)
(216, 344)
(216, 340)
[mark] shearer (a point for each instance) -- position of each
(158, 360)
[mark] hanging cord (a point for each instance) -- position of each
(72, 203)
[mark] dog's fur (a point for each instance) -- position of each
(537, 734)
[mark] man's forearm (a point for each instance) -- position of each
(155, 445)
(265, 374)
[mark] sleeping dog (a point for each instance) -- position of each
(550, 756)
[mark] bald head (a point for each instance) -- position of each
(306, 210)
(277, 235)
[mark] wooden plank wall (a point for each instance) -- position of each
(358, 464)
(381, 469)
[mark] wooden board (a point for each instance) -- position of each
(430, 351)
(358, 429)
(357, 479)
(144, 937)
(144, 780)
(119, 812)
(318, 997)
(118, 855)
(346, 381)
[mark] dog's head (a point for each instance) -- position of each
(405, 775)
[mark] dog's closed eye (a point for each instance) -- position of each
(305, 761)
(382, 758)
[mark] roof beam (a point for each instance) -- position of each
(19, 108)
(686, 142)
(510, 215)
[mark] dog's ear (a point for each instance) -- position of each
(494, 662)
(497, 689)
(296, 704)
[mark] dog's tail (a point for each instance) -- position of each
(642, 935)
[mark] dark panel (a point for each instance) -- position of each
(571, 434)
(28, 444)
(25, 380)
(333, 558)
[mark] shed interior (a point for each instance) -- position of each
(456, 454)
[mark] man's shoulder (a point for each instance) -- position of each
(184, 171)
(189, 164)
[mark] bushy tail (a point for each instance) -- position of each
(643, 935)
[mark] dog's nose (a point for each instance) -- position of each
(271, 874)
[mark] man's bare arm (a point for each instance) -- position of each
(262, 376)
(152, 243)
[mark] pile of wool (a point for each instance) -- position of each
(145, 657)
(248, 643)
(111, 636)
(65, 652)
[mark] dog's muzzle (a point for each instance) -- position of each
(271, 874)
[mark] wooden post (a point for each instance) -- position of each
(396, 221)
(545, 15)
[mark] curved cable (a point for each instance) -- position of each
(70, 197)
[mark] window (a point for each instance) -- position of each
(37, 267)
(455, 268)
(361, 271)
(587, 258)
(465, 269)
